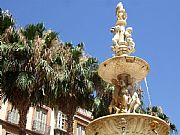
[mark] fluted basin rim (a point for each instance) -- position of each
(134, 123)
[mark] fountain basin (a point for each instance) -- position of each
(127, 123)
(136, 67)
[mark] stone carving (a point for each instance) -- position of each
(128, 32)
(115, 98)
(154, 125)
(116, 37)
(135, 101)
(123, 43)
(129, 40)
(118, 32)
(130, 124)
(121, 13)
(125, 99)
(124, 72)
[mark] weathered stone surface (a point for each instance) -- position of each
(129, 124)
(136, 67)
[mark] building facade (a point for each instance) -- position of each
(42, 121)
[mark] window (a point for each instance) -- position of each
(9, 133)
(13, 116)
(80, 130)
(39, 123)
(61, 121)
(60, 132)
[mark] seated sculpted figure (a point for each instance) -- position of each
(125, 99)
(120, 97)
(115, 97)
(135, 101)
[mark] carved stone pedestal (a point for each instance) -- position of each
(128, 124)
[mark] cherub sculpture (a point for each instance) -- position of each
(118, 32)
(120, 12)
(115, 97)
(120, 98)
(129, 39)
(125, 100)
(135, 101)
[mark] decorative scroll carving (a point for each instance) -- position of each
(130, 124)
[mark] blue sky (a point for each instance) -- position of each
(156, 25)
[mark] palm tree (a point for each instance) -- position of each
(26, 57)
(6, 20)
(103, 97)
(35, 64)
(73, 86)
(101, 104)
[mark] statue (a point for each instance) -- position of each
(135, 101)
(127, 94)
(123, 43)
(115, 97)
(118, 32)
(115, 39)
(129, 39)
(121, 12)
(120, 98)
(128, 32)
(125, 98)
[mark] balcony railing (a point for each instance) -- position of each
(59, 132)
(13, 117)
(61, 129)
(41, 127)
(84, 112)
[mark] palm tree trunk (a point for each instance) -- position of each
(70, 124)
(23, 119)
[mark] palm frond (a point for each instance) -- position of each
(25, 81)
(50, 36)
(6, 20)
(33, 30)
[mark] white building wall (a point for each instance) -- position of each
(3, 111)
(52, 122)
(3, 114)
(29, 118)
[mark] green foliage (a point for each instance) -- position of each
(75, 78)
(50, 37)
(24, 80)
(103, 99)
(33, 30)
(38, 69)
(22, 71)
(173, 129)
(35, 64)
(100, 106)
(6, 20)
(158, 112)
